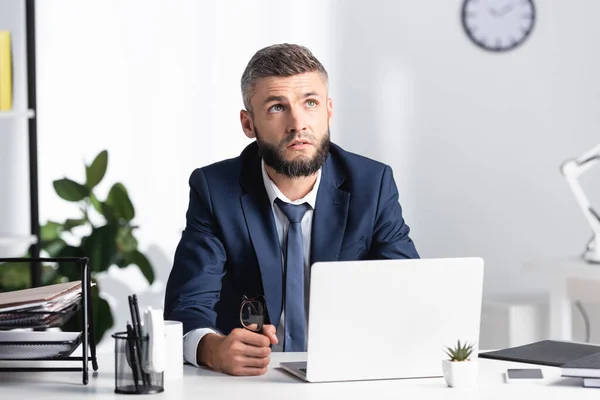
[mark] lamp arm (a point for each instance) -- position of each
(574, 168)
(571, 171)
(590, 155)
(590, 214)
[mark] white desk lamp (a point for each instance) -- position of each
(571, 170)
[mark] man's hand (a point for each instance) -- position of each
(242, 352)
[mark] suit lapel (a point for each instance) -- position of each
(263, 233)
(331, 214)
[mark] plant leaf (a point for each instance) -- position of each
(50, 275)
(103, 318)
(72, 223)
(54, 247)
(70, 190)
(126, 242)
(50, 230)
(96, 203)
(14, 276)
(100, 248)
(461, 352)
(96, 171)
(70, 270)
(143, 264)
(119, 201)
(109, 213)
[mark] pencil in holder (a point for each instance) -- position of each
(130, 357)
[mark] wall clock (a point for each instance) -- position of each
(498, 25)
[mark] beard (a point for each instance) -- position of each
(303, 166)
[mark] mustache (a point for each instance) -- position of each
(289, 139)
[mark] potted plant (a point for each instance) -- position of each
(459, 370)
(103, 232)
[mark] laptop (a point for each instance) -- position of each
(389, 319)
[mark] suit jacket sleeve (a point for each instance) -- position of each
(194, 284)
(391, 234)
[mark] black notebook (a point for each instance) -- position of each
(547, 352)
(587, 367)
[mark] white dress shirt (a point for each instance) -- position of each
(192, 338)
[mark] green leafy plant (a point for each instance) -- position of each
(108, 242)
(461, 352)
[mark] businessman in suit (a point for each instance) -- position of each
(257, 222)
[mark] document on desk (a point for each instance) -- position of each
(586, 367)
(547, 352)
(38, 297)
(39, 307)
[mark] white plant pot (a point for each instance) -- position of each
(460, 374)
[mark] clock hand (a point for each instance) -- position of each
(503, 11)
(507, 8)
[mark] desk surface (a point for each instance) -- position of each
(200, 383)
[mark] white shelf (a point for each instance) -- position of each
(16, 114)
(15, 246)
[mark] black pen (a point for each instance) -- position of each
(131, 311)
(138, 326)
(135, 316)
(132, 355)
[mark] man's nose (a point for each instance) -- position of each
(297, 121)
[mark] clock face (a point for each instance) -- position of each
(498, 25)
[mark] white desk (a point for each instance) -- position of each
(567, 280)
(200, 384)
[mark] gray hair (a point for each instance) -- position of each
(278, 60)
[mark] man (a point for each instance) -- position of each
(256, 223)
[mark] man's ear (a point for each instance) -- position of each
(329, 109)
(247, 125)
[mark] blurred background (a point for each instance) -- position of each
(475, 138)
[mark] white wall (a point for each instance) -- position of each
(475, 139)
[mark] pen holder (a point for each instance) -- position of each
(130, 377)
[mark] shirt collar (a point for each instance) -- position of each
(273, 191)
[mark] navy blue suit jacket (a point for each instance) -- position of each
(230, 248)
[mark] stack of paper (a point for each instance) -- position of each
(38, 307)
(587, 368)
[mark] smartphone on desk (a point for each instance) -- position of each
(524, 375)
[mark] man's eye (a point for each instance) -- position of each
(311, 103)
(276, 108)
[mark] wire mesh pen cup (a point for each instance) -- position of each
(130, 376)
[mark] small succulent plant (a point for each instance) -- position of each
(461, 352)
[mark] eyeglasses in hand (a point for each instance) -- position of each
(252, 313)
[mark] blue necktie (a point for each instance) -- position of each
(295, 322)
